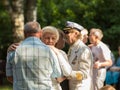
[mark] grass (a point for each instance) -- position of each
(6, 87)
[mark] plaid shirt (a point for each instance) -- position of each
(32, 66)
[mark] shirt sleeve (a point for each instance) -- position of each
(106, 52)
(63, 62)
(65, 66)
(10, 56)
(56, 72)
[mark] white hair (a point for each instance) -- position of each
(51, 29)
(97, 32)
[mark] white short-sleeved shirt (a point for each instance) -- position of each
(101, 52)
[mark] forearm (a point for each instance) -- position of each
(60, 79)
(99, 64)
(106, 63)
(10, 79)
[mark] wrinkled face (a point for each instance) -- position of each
(71, 36)
(49, 39)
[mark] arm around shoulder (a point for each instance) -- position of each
(10, 79)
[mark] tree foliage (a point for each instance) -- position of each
(6, 31)
(103, 14)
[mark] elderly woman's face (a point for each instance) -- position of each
(49, 39)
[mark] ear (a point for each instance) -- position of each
(39, 34)
(96, 37)
(77, 32)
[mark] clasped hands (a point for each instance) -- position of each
(97, 65)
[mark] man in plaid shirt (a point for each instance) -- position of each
(31, 66)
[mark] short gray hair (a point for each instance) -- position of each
(51, 29)
(32, 27)
(97, 32)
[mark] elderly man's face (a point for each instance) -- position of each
(71, 36)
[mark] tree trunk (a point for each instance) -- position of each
(30, 10)
(16, 11)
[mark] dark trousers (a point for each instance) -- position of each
(65, 85)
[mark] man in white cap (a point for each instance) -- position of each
(80, 58)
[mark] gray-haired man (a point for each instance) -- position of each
(31, 66)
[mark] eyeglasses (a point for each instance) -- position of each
(66, 31)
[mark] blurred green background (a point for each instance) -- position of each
(103, 14)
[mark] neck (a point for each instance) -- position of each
(32, 35)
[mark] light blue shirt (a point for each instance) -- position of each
(32, 66)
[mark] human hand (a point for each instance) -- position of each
(90, 46)
(97, 65)
(61, 79)
(10, 79)
(12, 47)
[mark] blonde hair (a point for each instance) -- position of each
(97, 32)
(51, 29)
(107, 87)
(78, 33)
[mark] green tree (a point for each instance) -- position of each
(103, 14)
(13, 15)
